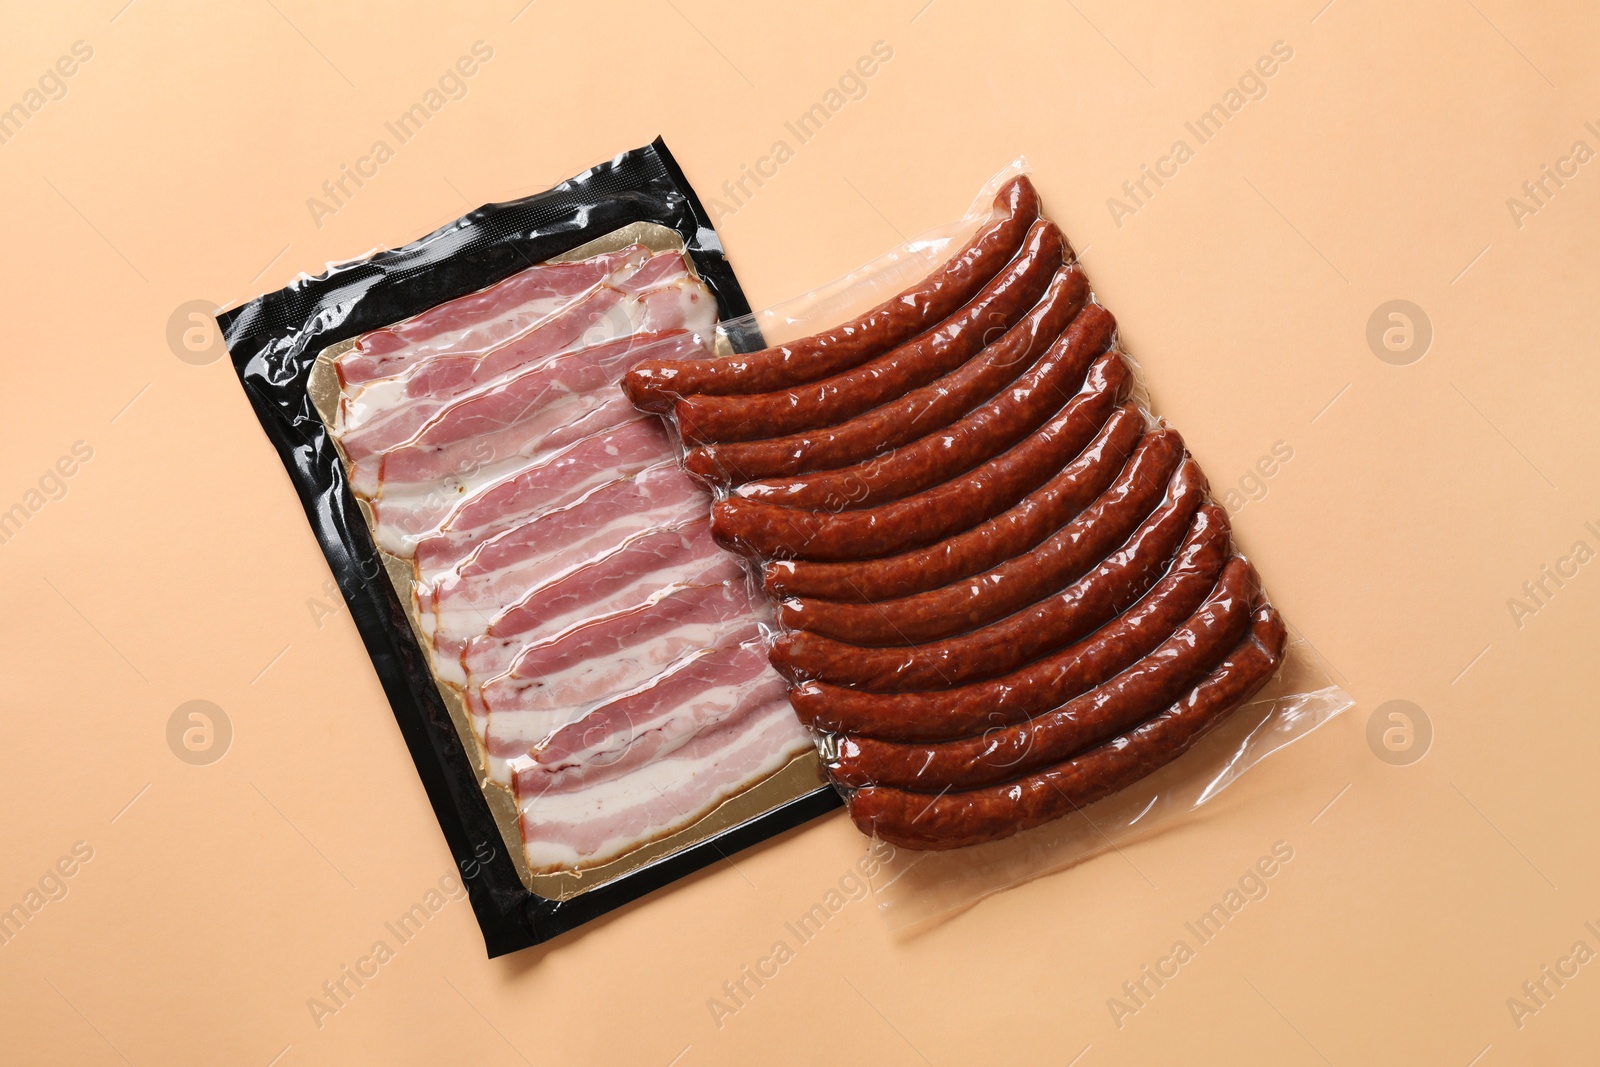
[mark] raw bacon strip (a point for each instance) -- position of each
(448, 519)
(718, 685)
(609, 588)
(514, 399)
(652, 560)
(504, 569)
(482, 319)
(387, 413)
(511, 732)
(538, 402)
(616, 721)
(471, 648)
(523, 435)
(589, 826)
(632, 446)
(627, 630)
(639, 562)
(610, 653)
(658, 297)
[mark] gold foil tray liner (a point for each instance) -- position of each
(800, 776)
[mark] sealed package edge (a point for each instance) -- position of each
(577, 667)
(1003, 592)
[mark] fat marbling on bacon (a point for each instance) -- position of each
(565, 577)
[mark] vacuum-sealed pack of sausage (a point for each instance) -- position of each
(1004, 599)
(578, 668)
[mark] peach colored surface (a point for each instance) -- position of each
(173, 167)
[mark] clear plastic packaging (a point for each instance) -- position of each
(1004, 597)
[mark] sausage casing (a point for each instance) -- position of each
(1008, 534)
(982, 433)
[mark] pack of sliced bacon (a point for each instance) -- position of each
(578, 666)
(1002, 591)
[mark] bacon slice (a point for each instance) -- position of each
(483, 319)
(646, 569)
(558, 352)
(465, 465)
(511, 418)
(611, 653)
(566, 829)
(429, 515)
(715, 687)
(501, 570)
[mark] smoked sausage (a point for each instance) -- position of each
(962, 711)
(919, 412)
(1008, 534)
(957, 819)
(1061, 558)
(1086, 605)
(965, 500)
(653, 385)
(999, 306)
(1005, 752)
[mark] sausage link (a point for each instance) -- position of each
(773, 531)
(917, 413)
(965, 710)
(1001, 304)
(1005, 752)
(1008, 534)
(654, 384)
(1082, 608)
(982, 433)
(957, 819)
(1062, 558)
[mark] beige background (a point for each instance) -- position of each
(177, 566)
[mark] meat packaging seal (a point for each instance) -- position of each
(577, 668)
(1004, 599)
